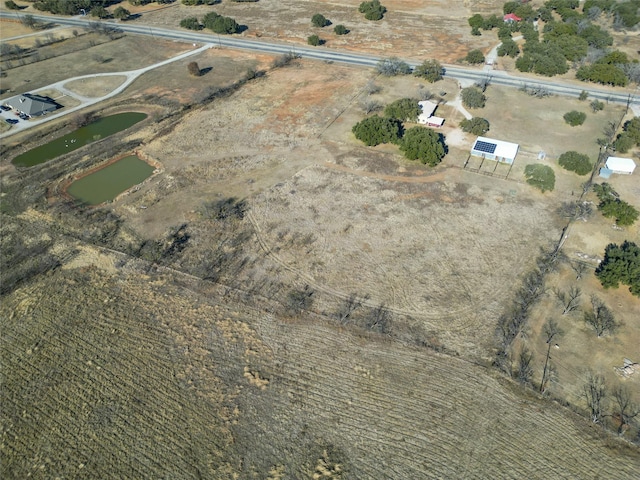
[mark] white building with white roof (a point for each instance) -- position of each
(497, 150)
(624, 166)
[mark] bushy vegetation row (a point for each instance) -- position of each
(417, 143)
(569, 36)
(214, 22)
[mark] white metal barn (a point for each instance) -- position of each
(624, 166)
(497, 150)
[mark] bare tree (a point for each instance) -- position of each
(371, 88)
(579, 268)
(600, 318)
(390, 67)
(369, 105)
(350, 305)
(594, 391)
(525, 371)
(379, 320)
(576, 210)
(551, 330)
(624, 409)
(570, 300)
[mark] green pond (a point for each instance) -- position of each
(109, 182)
(79, 138)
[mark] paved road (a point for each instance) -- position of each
(324, 54)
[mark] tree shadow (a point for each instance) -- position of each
(204, 71)
(242, 28)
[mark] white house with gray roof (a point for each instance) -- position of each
(32, 105)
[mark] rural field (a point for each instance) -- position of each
(278, 300)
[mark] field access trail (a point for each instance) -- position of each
(327, 55)
(85, 101)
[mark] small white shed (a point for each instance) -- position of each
(624, 166)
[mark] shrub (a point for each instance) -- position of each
(376, 130)
(314, 40)
(423, 144)
(372, 10)
(11, 5)
(596, 106)
(474, 57)
(194, 69)
(540, 176)
(191, 23)
(319, 20)
(475, 125)
(340, 30)
(121, 13)
(575, 118)
(576, 162)
(403, 109)
(473, 97)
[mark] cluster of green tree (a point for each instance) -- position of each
(372, 10)
(621, 264)
(475, 125)
(625, 13)
(11, 5)
(574, 118)
(608, 70)
(473, 97)
(430, 70)
(540, 176)
(417, 143)
(629, 137)
(66, 7)
(405, 109)
(612, 207)
(213, 21)
(576, 162)
(146, 2)
(200, 2)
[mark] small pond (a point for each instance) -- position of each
(97, 130)
(109, 182)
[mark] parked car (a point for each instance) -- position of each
(5, 108)
(24, 116)
(12, 121)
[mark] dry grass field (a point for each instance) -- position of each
(431, 29)
(163, 376)
(338, 321)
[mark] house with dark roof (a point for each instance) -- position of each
(32, 105)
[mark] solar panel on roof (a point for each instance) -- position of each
(486, 147)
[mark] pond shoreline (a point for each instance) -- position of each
(65, 184)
